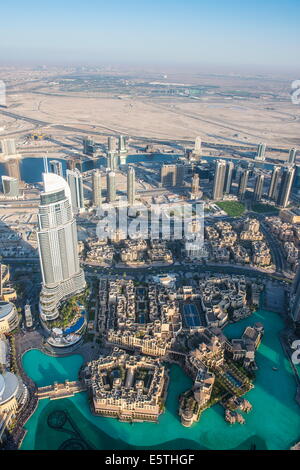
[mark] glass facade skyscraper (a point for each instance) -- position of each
(57, 243)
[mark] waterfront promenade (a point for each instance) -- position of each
(58, 391)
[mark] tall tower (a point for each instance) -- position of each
(259, 186)
(56, 167)
(123, 151)
(273, 189)
(111, 187)
(172, 175)
(97, 189)
(261, 151)
(285, 187)
(198, 147)
(112, 144)
(218, 187)
(74, 179)
(228, 177)
(57, 243)
(292, 156)
(12, 168)
(112, 161)
(131, 186)
(195, 185)
(88, 146)
(10, 186)
(8, 147)
(243, 183)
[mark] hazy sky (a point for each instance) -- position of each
(217, 32)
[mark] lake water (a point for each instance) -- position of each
(31, 168)
(272, 424)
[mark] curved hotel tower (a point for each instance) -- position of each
(57, 242)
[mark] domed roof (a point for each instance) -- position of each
(9, 385)
(5, 309)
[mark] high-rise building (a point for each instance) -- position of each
(243, 184)
(296, 183)
(172, 175)
(261, 152)
(292, 156)
(198, 146)
(10, 186)
(56, 167)
(123, 152)
(8, 147)
(285, 187)
(111, 187)
(112, 144)
(131, 186)
(228, 177)
(218, 186)
(274, 184)
(112, 161)
(74, 179)
(57, 243)
(97, 189)
(259, 186)
(88, 146)
(195, 185)
(12, 168)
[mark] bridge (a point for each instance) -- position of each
(60, 390)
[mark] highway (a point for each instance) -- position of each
(38, 122)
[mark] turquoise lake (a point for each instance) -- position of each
(272, 424)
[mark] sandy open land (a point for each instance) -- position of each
(219, 115)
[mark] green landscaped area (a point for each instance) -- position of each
(232, 208)
(264, 208)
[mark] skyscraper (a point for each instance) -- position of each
(285, 187)
(12, 168)
(57, 243)
(292, 156)
(131, 186)
(56, 167)
(259, 186)
(97, 189)
(112, 161)
(10, 186)
(228, 177)
(112, 144)
(88, 146)
(218, 186)
(8, 147)
(198, 146)
(123, 150)
(274, 184)
(243, 184)
(261, 151)
(172, 175)
(74, 179)
(111, 187)
(195, 185)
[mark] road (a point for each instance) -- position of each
(179, 142)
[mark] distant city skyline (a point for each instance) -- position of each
(169, 32)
